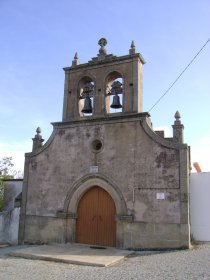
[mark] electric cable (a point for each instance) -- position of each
(201, 49)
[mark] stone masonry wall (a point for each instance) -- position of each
(130, 159)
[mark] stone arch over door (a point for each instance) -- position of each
(85, 183)
(78, 190)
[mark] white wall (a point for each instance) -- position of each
(12, 188)
(9, 218)
(200, 206)
(9, 226)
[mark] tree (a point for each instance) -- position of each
(6, 172)
(5, 168)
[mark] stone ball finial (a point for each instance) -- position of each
(75, 62)
(132, 44)
(133, 48)
(177, 118)
(37, 140)
(76, 55)
(177, 115)
(178, 128)
(38, 130)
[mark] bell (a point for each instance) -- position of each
(87, 109)
(116, 102)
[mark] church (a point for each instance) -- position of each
(105, 177)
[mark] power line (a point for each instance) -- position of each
(179, 75)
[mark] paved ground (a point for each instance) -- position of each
(74, 254)
(177, 265)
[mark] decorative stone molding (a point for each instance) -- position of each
(125, 218)
(65, 215)
(85, 183)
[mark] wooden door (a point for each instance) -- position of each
(96, 218)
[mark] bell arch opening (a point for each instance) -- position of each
(86, 88)
(114, 92)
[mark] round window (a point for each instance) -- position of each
(97, 145)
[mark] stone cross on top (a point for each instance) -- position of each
(102, 42)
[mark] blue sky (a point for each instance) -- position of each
(40, 37)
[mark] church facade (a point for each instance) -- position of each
(105, 177)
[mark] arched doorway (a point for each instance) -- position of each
(96, 218)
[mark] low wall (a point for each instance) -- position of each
(9, 225)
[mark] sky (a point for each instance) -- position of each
(40, 37)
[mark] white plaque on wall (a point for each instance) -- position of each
(93, 169)
(160, 196)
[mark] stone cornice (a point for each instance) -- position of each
(110, 59)
(113, 117)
